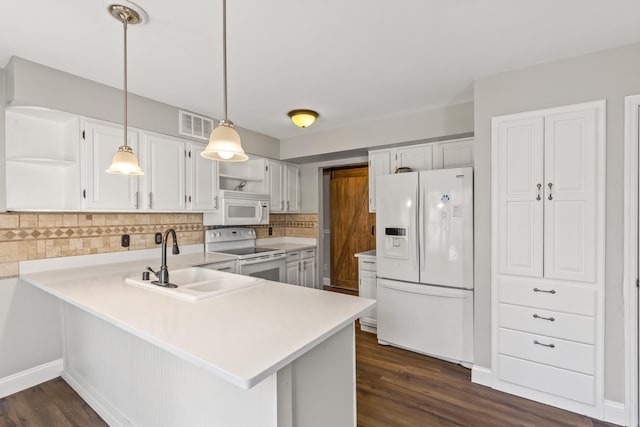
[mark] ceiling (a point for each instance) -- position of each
(352, 61)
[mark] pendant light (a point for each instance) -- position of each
(303, 118)
(224, 142)
(124, 161)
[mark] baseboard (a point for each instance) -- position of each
(98, 403)
(368, 328)
(614, 412)
(481, 375)
(30, 377)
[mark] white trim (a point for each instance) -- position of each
(30, 377)
(89, 394)
(630, 292)
(481, 375)
(614, 412)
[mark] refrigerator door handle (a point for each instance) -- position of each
(420, 228)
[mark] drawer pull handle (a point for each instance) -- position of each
(552, 291)
(544, 345)
(550, 319)
(368, 262)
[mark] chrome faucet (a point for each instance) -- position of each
(163, 273)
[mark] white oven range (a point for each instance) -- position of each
(266, 263)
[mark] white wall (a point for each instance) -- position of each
(609, 75)
(33, 84)
(454, 120)
(30, 327)
(310, 181)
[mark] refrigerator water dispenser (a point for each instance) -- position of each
(396, 243)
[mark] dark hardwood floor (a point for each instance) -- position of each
(401, 388)
(51, 404)
(395, 388)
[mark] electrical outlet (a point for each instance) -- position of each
(270, 231)
(125, 241)
(158, 237)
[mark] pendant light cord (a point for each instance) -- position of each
(125, 20)
(224, 54)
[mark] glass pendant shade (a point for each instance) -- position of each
(224, 144)
(125, 162)
(303, 118)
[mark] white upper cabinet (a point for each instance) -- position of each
(520, 181)
(379, 164)
(547, 192)
(202, 180)
(570, 206)
(104, 191)
(292, 185)
(276, 178)
(420, 157)
(164, 166)
(284, 186)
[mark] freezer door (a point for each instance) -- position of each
(428, 319)
(396, 226)
(446, 222)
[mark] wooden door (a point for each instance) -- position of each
(352, 226)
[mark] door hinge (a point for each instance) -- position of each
(83, 134)
(84, 194)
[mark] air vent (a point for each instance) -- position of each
(194, 125)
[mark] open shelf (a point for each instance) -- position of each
(241, 178)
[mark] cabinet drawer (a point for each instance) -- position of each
(367, 264)
(560, 382)
(550, 351)
(308, 253)
(538, 321)
(548, 295)
(293, 256)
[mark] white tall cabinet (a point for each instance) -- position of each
(548, 193)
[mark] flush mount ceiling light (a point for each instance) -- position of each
(124, 161)
(224, 142)
(303, 118)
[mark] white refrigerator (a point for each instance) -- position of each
(424, 243)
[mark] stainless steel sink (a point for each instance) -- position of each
(196, 284)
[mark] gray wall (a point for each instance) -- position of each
(449, 121)
(309, 181)
(33, 84)
(609, 75)
(30, 328)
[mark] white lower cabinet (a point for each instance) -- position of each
(548, 198)
(367, 289)
(301, 268)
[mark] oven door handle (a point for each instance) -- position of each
(262, 259)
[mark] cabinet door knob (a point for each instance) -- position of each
(550, 185)
(539, 191)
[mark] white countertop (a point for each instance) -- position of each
(366, 254)
(242, 336)
(288, 244)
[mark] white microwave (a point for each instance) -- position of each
(240, 208)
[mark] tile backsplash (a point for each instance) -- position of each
(30, 236)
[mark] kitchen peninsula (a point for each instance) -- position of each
(270, 354)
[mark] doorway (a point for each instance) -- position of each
(352, 227)
(631, 257)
